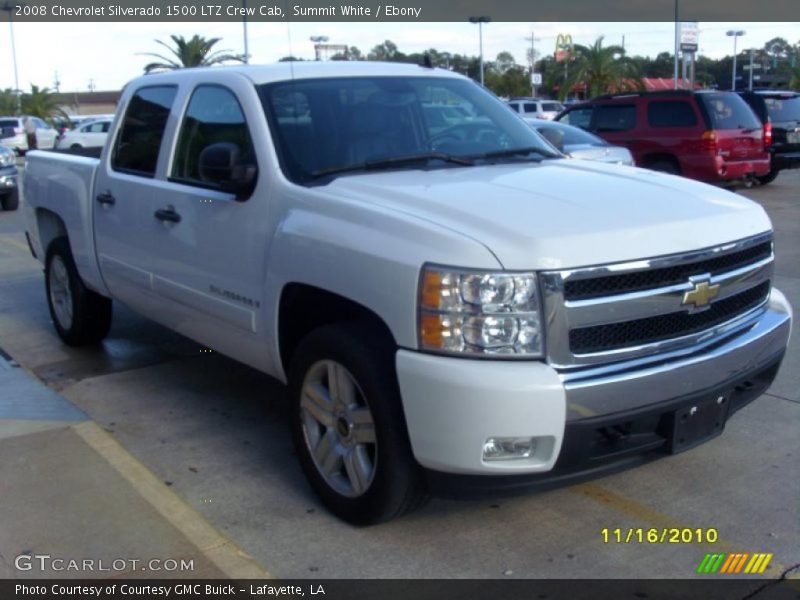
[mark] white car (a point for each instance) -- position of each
(89, 135)
(456, 308)
(12, 134)
(536, 108)
(579, 143)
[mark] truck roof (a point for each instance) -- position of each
(284, 71)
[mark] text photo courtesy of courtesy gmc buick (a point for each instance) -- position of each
(456, 307)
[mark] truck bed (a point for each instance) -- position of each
(58, 188)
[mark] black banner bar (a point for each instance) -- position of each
(393, 589)
(398, 10)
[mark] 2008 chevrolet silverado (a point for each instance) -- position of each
(455, 306)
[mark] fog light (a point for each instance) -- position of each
(508, 448)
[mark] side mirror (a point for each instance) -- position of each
(221, 164)
(556, 138)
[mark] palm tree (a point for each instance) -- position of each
(602, 70)
(195, 52)
(8, 102)
(41, 102)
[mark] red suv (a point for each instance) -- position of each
(706, 135)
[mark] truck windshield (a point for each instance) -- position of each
(324, 127)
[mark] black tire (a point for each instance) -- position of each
(10, 201)
(91, 313)
(75, 146)
(396, 484)
(665, 166)
(768, 178)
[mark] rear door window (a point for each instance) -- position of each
(670, 113)
(729, 111)
(579, 117)
(530, 107)
(139, 140)
(614, 117)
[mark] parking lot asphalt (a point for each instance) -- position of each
(213, 433)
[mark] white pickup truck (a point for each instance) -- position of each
(456, 307)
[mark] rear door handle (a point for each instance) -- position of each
(167, 214)
(106, 199)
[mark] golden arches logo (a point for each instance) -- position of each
(564, 46)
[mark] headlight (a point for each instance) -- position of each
(480, 313)
(7, 158)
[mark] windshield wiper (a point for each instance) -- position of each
(386, 163)
(517, 152)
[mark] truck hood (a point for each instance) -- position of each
(563, 213)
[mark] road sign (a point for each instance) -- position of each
(756, 66)
(536, 78)
(689, 36)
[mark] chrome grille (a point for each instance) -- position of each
(663, 327)
(580, 289)
(622, 311)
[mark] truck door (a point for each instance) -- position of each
(124, 191)
(210, 242)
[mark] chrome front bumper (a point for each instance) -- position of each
(625, 386)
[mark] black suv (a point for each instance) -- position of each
(779, 111)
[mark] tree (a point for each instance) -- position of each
(602, 70)
(504, 62)
(195, 52)
(386, 51)
(8, 102)
(41, 102)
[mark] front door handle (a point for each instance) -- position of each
(106, 199)
(167, 214)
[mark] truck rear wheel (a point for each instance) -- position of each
(10, 201)
(348, 426)
(80, 315)
(768, 178)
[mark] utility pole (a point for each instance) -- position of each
(750, 86)
(675, 69)
(533, 41)
(10, 8)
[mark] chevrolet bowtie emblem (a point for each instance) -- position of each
(701, 295)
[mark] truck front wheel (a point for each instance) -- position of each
(80, 315)
(348, 426)
(10, 201)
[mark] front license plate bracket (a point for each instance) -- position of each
(698, 422)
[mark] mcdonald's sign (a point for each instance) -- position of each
(564, 47)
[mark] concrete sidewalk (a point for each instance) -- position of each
(69, 491)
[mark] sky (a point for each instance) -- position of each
(107, 55)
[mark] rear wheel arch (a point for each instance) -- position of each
(668, 163)
(50, 226)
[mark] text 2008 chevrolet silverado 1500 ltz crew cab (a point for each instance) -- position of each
(455, 306)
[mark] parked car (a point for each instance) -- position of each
(579, 143)
(705, 135)
(779, 112)
(90, 135)
(536, 108)
(9, 192)
(460, 310)
(65, 124)
(12, 134)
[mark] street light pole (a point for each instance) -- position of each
(735, 34)
(480, 21)
(533, 60)
(244, 32)
(10, 10)
(750, 86)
